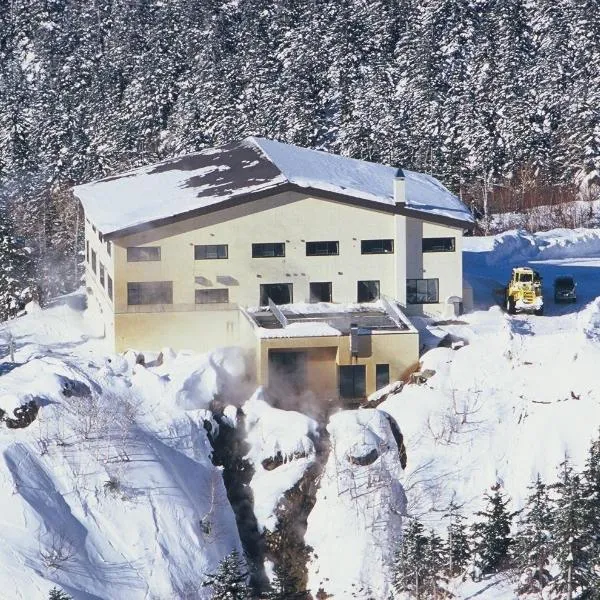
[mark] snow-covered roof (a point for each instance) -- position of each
(241, 171)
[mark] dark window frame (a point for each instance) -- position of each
(374, 248)
(109, 286)
(264, 296)
(323, 248)
(368, 281)
(410, 299)
(109, 247)
(87, 250)
(131, 251)
(203, 249)
(94, 259)
(145, 294)
(213, 291)
(259, 250)
(101, 273)
(382, 375)
(436, 244)
(319, 283)
(358, 387)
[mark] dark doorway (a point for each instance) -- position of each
(352, 381)
(280, 293)
(287, 371)
(320, 291)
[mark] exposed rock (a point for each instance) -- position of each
(363, 461)
(271, 463)
(23, 415)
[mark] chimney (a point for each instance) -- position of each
(399, 188)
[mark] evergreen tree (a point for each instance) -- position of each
(56, 594)
(16, 280)
(284, 587)
(492, 533)
(230, 580)
(459, 551)
(533, 542)
(572, 541)
(409, 567)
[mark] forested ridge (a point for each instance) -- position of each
(483, 94)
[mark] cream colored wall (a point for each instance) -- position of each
(199, 331)
(291, 218)
(98, 300)
(398, 349)
(447, 266)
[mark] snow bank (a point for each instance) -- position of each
(281, 449)
(518, 246)
(355, 525)
(110, 492)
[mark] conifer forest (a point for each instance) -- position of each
(486, 95)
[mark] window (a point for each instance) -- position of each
(376, 246)
(279, 293)
(87, 250)
(101, 274)
(444, 244)
(94, 261)
(352, 381)
(109, 287)
(320, 291)
(100, 237)
(367, 291)
(219, 296)
(382, 376)
(322, 248)
(150, 292)
(206, 252)
(108, 248)
(142, 253)
(267, 250)
(422, 291)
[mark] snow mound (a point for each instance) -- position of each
(110, 492)
(281, 449)
(518, 246)
(353, 560)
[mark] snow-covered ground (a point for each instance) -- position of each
(111, 492)
(522, 394)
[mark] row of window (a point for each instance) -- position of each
(277, 249)
(98, 269)
(418, 291)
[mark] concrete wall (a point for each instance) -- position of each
(444, 266)
(290, 218)
(324, 354)
(98, 299)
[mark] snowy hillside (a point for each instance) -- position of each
(112, 491)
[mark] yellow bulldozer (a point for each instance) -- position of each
(524, 292)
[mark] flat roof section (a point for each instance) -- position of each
(325, 319)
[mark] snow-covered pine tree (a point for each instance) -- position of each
(56, 594)
(16, 283)
(492, 533)
(408, 568)
(533, 541)
(459, 550)
(571, 539)
(230, 580)
(284, 587)
(591, 512)
(435, 579)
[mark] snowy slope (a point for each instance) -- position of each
(111, 492)
(519, 397)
